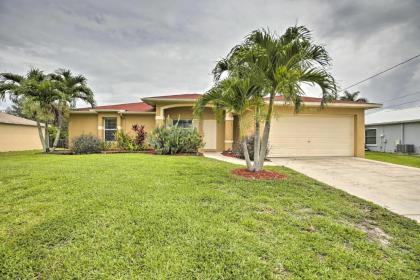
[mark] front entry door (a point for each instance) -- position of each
(209, 131)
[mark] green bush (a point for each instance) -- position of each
(107, 145)
(172, 139)
(126, 142)
(86, 144)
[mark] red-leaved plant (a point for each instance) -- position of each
(140, 135)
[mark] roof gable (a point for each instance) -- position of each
(129, 107)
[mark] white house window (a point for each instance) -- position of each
(370, 136)
(183, 123)
(110, 129)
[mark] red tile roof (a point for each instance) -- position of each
(133, 107)
(313, 99)
(194, 96)
(144, 107)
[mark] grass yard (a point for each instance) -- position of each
(413, 161)
(176, 217)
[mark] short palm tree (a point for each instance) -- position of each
(286, 62)
(353, 96)
(72, 88)
(39, 97)
(235, 95)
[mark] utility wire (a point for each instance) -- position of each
(402, 96)
(408, 102)
(382, 72)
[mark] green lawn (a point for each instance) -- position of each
(395, 158)
(174, 217)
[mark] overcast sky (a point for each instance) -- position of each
(133, 49)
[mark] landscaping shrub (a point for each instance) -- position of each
(140, 135)
(107, 146)
(250, 144)
(172, 139)
(86, 144)
(126, 142)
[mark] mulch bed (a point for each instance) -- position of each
(128, 152)
(150, 151)
(260, 175)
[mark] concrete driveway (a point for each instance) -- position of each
(394, 187)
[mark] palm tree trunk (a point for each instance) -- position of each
(41, 136)
(266, 133)
(57, 136)
(244, 144)
(246, 154)
(47, 138)
(257, 142)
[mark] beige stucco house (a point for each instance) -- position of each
(18, 134)
(337, 130)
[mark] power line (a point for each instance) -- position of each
(402, 96)
(405, 103)
(382, 72)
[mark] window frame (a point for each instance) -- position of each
(376, 137)
(110, 129)
(190, 122)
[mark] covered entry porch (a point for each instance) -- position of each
(217, 133)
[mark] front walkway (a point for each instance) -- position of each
(392, 186)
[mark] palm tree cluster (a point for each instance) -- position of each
(263, 66)
(353, 96)
(46, 98)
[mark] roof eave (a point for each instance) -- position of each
(93, 111)
(24, 124)
(139, 112)
(337, 105)
(393, 122)
(153, 101)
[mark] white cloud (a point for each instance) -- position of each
(132, 49)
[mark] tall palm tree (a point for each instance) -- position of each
(287, 62)
(234, 95)
(353, 96)
(39, 97)
(72, 88)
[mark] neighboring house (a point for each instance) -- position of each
(337, 130)
(388, 128)
(18, 134)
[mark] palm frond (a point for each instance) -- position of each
(323, 79)
(11, 78)
(221, 67)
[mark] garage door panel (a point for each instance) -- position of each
(309, 140)
(311, 135)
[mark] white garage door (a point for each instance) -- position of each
(311, 135)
